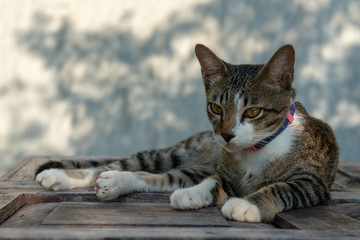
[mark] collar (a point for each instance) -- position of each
(289, 119)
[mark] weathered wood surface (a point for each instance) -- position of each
(31, 215)
(27, 211)
(317, 218)
(173, 233)
(9, 204)
(133, 214)
(349, 209)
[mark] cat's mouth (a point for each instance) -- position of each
(235, 145)
(233, 149)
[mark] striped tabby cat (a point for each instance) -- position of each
(265, 155)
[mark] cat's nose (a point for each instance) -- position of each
(227, 137)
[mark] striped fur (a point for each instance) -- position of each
(182, 165)
(295, 170)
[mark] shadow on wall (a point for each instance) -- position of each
(120, 94)
(117, 90)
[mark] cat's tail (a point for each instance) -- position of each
(77, 164)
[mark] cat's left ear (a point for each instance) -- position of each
(279, 71)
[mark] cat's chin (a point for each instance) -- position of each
(233, 148)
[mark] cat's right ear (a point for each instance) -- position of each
(212, 67)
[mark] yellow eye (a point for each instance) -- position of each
(252, 112)
(216, 109)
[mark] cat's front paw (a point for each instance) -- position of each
(190, 198)
(112, 184)
(53, 179)
(241, 210)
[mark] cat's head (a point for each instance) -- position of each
(247, 103)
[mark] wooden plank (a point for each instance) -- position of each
(7, 176)
(251, 225)
(349, 209)
(19, 185)
(171, 233)
(9, 204)
(88, 195)
(345, 197)
(61, 196)
(351, 168)
(348, 174)
(30, 215)
(137, 214)
(316, 218)
(24, 171)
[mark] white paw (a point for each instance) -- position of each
(241, 210)
(112, 184)
(191, 198)
(53, 180)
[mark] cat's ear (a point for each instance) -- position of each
(212, 67)
(279, 71)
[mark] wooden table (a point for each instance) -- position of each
(27, 211)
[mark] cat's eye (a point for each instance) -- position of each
(215, 108)
(252, 112)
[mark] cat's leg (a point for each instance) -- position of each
(112, 184)
(200, 149)
(306, 191)
(209, 192)
(61, 179)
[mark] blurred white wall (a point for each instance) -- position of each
(115, 77)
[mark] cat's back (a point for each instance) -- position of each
(316, 146)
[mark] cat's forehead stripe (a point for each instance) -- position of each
(245, 101)
(238, 100)
(214, 98)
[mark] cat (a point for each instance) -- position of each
(265, 155)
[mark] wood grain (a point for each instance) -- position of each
(9, 204)
(316, 218)
(24, 172)
(350, 196)
(171, 233)
(349, 209)
(30, 215)
(136, 214)
(348, 175)
(28, 211)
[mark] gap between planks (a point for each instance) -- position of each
(172, 233)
